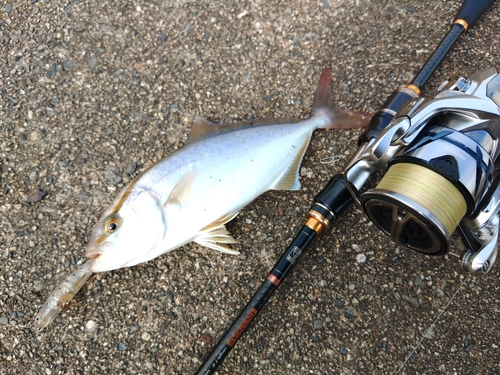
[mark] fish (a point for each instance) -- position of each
(192, 193)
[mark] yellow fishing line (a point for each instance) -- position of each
(429, 189)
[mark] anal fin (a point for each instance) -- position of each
(215, 235)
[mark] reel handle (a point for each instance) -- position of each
(471, 10)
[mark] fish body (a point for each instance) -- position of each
(191, 194)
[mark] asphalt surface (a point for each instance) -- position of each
(92, 93)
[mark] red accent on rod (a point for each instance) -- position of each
(272, 278)
(236, 335)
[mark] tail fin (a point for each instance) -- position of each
(323, 106)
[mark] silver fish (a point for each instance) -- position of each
(191, 194)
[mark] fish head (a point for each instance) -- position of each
(129, 229)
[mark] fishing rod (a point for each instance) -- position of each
(339, 192)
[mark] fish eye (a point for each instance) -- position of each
(111, 225)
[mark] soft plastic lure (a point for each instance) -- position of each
(62, 294)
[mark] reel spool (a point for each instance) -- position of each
(416, 207)
(441, 161)
(429, 187)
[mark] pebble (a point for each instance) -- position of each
(318, 324)
(84, 197)
(317, 271)
(430, 334)
(67, 65)
(411, 300)
(130, 168)
(146, 336)
(169, 295)
(361, 258)
(52, 71)
(39, 285)
(135, 328)
(163, 37)
(371, 290)
(122, 346)
(4, 320)
(8, 8)
(349, 314)
(471, 345)
(418, 280)
(92, 63)
(50, 112)
(111, 176)
(34, 136)
(36, 196)
(48, 209)
(206, 338)
(91, 326)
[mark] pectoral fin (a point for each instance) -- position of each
(289, 180)
(181, 190)
(215, 235)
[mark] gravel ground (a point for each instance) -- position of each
(92, 93)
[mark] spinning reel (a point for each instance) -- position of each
(440, 157)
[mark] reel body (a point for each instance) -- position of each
(440, 158)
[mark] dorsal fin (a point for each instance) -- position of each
(204, 129)
(289, 180)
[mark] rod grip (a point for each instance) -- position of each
(332, 200)
(471, 10)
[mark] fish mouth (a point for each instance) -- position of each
(95, 256)
(96, 247)
(92, 252)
